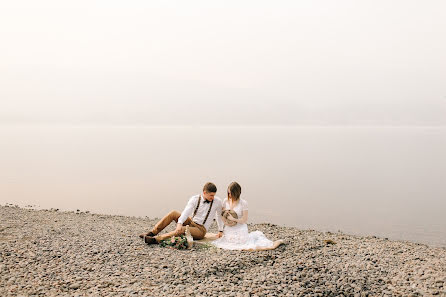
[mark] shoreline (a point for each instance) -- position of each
(49, 252)
(323, 230)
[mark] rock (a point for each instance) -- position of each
(74, 286)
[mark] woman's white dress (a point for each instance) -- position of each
(237, 237)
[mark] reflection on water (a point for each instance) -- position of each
(385, 181)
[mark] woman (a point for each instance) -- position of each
(236, 237)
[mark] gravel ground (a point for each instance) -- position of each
(49, 252)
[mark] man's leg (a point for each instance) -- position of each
(197, 231)
(164, 222)
(172, 233)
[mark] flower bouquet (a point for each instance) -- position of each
(175, 242)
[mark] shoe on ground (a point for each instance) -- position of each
(146, 234)
(150, 240)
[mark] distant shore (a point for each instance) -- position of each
(50, 252)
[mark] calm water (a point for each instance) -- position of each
(384, 181)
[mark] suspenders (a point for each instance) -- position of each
(209, 210)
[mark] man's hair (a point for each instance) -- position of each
(210, 188)
(236, 190)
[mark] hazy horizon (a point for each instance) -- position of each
(363, 180)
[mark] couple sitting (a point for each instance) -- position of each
(231, 216)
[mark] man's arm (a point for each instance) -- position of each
(186, 213)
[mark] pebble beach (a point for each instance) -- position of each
(61, 253)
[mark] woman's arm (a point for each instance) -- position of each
(219, 219)
(242, 220)
(225, 221)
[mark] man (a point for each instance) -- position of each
(198, 214)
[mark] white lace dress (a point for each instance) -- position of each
(237, 237)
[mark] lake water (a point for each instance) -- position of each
(383, 181)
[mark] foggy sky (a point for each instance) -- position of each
(228, 62)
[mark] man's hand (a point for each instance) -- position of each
(179, 229)
(220, 234)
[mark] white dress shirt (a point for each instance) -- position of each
(202, 212)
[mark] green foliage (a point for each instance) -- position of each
(204, 246)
